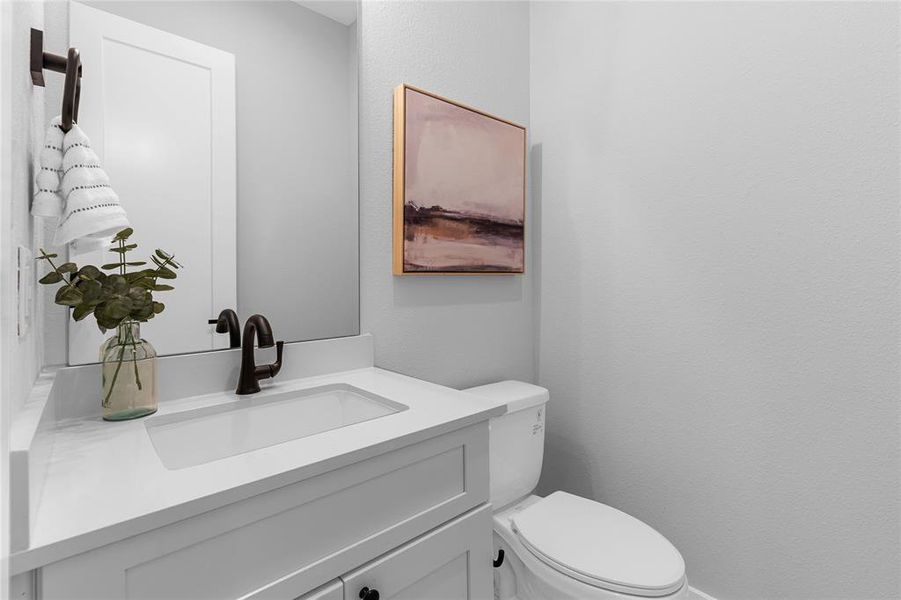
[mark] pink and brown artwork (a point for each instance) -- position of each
(459, 188)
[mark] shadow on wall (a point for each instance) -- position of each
(535, 249)
(562, 451)
(449, 290)
(566, 466)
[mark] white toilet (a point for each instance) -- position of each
(564, 546)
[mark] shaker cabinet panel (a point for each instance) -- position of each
(281, 544)
(452, 562)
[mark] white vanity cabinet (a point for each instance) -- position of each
(449, 562)
(412, 522)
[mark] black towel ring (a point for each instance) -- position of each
(69, 64)
(71, 89)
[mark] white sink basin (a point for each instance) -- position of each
(195, 437)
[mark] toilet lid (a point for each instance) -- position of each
(600, 545)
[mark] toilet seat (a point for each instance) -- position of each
(600, 546)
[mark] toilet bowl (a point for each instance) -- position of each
(563, 546)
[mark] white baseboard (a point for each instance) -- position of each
(696, 594)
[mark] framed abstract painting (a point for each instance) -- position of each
(459, 188)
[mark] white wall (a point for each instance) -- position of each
(25, 131)
(453, 330)
(719, 193)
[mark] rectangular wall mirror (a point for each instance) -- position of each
(232, 143)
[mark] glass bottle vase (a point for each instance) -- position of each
(128, 365)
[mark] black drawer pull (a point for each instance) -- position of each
(368, 594)
(500, 558)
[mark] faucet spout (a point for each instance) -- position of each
(228, 322)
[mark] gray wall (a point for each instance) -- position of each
(719, 194)
(297, 155)
(452, 330)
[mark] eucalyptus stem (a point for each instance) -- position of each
(129, 340)
(165, 264)
(134, 355)
(112, 384)
(58, 272)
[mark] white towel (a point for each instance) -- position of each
(47, 201)
(88, 209)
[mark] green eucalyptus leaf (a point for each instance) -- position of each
(90, 272)
(139, 295)
(165, 273)
(81, 311)
(143, 312)
(124, 234)
(68, 296)
(124, 249)
(137, 263)
(161, 287)
(45, 256)
(69, 267)
(110, 266)
(117, 283)
(105, 322)
(158, 307)
(118, 308)
(51, 277)
(92, 291)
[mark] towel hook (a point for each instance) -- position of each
(69, 64)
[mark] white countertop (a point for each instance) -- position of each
(104, 482)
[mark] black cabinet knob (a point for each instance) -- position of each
(368, 594)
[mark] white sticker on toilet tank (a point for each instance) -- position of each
(538, 426)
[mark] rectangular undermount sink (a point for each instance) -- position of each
(195, 437)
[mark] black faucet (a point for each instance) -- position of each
(248, 381)
(228, 323)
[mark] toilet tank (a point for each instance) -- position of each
(516, 438)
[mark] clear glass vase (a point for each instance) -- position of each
(129, 375)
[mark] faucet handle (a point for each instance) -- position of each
(271, 370)
(275, 367)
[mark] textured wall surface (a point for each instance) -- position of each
(453, 330)
(719, 193)
(25, 128)
(21, 133)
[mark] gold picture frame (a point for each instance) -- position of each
(459, 205)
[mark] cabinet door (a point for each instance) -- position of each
(452, 562)
(333, 590)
